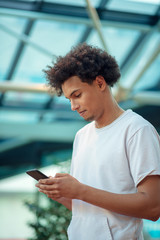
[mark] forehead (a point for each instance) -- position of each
(73, 84)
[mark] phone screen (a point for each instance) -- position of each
(36, 174)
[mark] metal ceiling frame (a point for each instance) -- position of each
(96, 23)
(77, 14)
(88, 30)
(147, 98)
(6, 86)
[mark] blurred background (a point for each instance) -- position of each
(36, 127)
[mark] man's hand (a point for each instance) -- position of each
(61, 186)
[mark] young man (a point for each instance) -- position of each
(115, 170)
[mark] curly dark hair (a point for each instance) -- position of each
(86, 62)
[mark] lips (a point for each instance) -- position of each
(82, 113)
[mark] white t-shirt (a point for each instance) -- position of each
(114, 158)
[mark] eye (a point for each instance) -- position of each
(78, 95)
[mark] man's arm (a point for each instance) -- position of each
(143, 204)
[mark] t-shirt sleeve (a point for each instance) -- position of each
(144, 153)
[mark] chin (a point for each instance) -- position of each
(89, 119)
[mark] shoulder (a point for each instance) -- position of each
(135, 120)
(134, 123)
(137, 125)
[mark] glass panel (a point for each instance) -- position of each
(151, 75)
(73, 2)
(118, 41)
(57, 37)
(8, 43)
(31, 65)
(150, 78)
(48, 35)
(135, 6)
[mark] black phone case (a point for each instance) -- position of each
(36, 174)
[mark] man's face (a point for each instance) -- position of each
(85, 98)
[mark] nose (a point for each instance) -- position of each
(74, 105)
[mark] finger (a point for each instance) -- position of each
(49, 180)
(47, 187)
(54, 194)
(58, 175)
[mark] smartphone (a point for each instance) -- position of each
(36, 174)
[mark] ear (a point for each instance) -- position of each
(101, 83)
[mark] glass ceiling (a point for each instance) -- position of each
(33, 33)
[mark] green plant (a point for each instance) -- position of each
(51, 220)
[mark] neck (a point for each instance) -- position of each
(111, 111)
